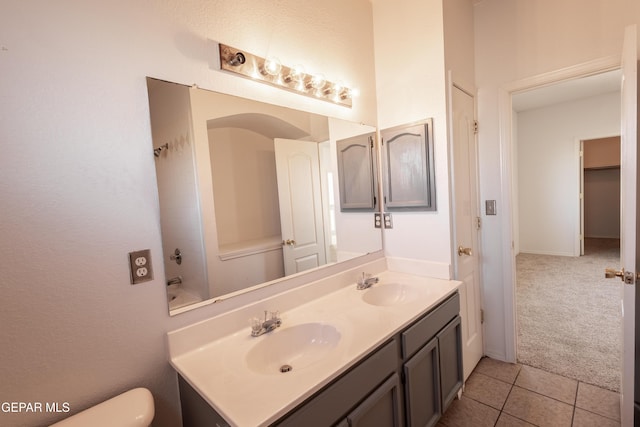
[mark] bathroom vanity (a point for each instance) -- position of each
(389, 355)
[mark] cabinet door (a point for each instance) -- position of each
(409, 167)
(422, 387)
(450, 343)
(357, 173)
(381, 408)
(332, 404)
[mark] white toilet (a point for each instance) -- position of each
(133, 408)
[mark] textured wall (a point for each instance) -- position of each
(517, 39)
(549, 169)
(412, 87)
(77, 179)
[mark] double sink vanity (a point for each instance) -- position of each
(334, 354)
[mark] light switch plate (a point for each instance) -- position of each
(490, 207)
(140, 266)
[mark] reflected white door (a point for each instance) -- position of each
(298, 173)
(628, 212)
(466, 226)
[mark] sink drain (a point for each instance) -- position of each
(285, 368)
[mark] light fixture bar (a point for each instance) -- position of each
(294, 79)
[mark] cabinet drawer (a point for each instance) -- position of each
(426, 328)
(334, 402)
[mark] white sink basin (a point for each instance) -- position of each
(292, 348)
(389, 294)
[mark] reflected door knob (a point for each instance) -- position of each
(464, 251)
(289, 242)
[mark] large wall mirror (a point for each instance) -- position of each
(248, 192)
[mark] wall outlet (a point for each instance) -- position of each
(377, 220)
(388, 222)
(140, 266)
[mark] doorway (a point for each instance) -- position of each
(599, 193)
(568, 316)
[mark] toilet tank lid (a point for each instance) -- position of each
(133, 408)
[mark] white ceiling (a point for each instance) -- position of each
(569, 90)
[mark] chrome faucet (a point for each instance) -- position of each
(366, 281)
(259, 327)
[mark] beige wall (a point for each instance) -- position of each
(243, 168)
(548, 184)
(177, 190)
(77, 179)
(410, 78)
(517, 39)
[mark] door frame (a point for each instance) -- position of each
(506, 168)
(580, 233)
(472, 92)
(505, 117)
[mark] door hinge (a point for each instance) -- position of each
(475, 126)
(478, 223)
(371, 141)
(482, 315)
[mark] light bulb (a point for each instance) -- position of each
(334, 88)
(296, 74)
(349, 93)
(317, 81)
(271, 66)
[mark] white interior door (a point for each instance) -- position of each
(628, 213)
(466, 226)
(299, 191)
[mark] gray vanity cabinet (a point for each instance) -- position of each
(422, 387)
(450, 352)
(382, 408)
(408, 381)
(370, 391)
(432, 351)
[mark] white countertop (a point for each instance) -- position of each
(218, 371)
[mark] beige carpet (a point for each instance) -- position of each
(569, 319)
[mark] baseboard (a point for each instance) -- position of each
(420, 267)
(534, 252)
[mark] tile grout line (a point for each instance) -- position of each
(587, 410)
(513, 384)
(575, 402)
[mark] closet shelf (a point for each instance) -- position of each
(598, 168)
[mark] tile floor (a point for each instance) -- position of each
(503, 395)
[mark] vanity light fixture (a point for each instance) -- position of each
(296, 79)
